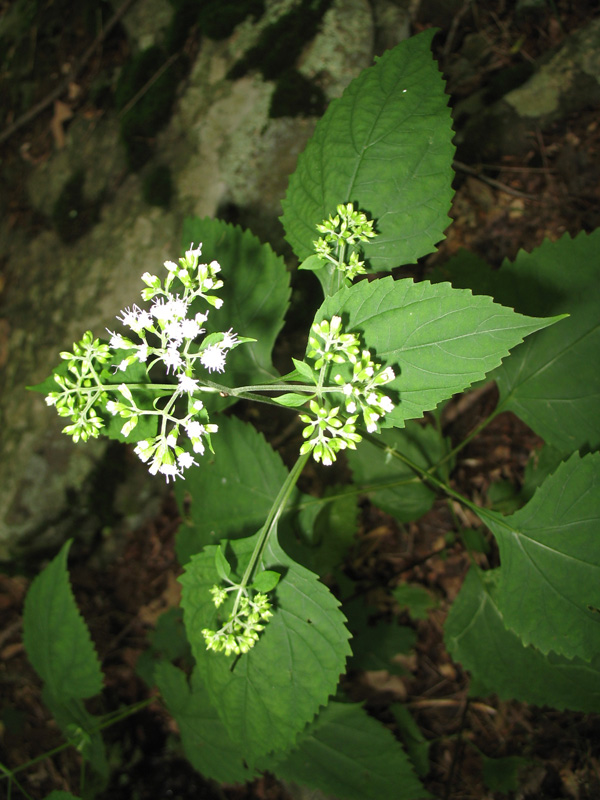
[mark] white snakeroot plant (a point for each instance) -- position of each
(269, 640)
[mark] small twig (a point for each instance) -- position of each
(491, 182)
(73, 73)
(454, 27)
(148, 84)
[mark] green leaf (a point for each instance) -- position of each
(232, 491)
(439, 340)
(552, 381)
(385, 145)
(56, 638)
(292, 399)
(476, 636)
(305, 370)
(266, 581)
(167, 642)
(267, 696)
(82, 730)
(205, 741)
(416, 598)
(255, 295)
(502, 774)
(390, 483)
(223, 566)
(413, 740)
(328, 525)
(347, 754)
(549, 591)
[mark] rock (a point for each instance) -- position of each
(567, 82)
(224, 152)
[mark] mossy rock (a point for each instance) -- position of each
(72, 214)
(157, 186)
(218, 18)
(279, 46)
(146, 105)
(296, 96)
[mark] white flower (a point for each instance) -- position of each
(142, 353)
(198, 446)
(197, 405)
(171, 266)
(174, 309)
(170, 471)
(195, 429)
(174, 332)
(229, 339)
(186, 460)
(112, 407)
(190, 328)
(187, 384)
(213, 358)
(218, 302)
(171, 440)
(172, 358)
(123, 365)
(117, 342)
(386, 404)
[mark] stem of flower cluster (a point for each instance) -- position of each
(270, 525)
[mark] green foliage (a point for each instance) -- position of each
(347, 752)
(551, 562)
(265, 698)
(386, 146)
(258, 553)
(56, 638)
(500, 663)
(257, 289)
(441, 339)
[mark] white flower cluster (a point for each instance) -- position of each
(167, 332)
(325, 432)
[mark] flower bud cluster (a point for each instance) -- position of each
(79, 388)
(240, 631)
(346, 229)
(166, 334)
(325, 433)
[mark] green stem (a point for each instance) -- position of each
(426, 474)
(270, 524)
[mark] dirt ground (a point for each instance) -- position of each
(552, 189)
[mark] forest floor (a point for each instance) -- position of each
(551, 190)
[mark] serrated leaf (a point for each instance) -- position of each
(255, 295)
(439, 340)
(272, 692)
(82, 730)
(385, 145)
(205, 741)
(347, 754)
(389, 482)
(56, 638)
(413, 740)
(549, 591)
(476, 637)
(232, 491)
(552, 381)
